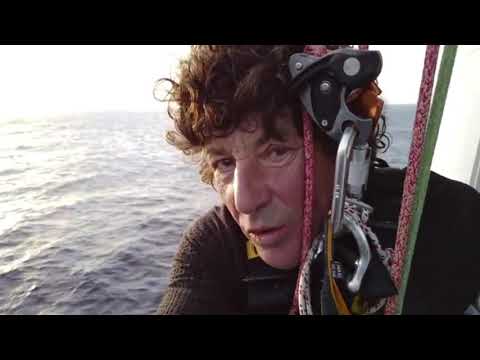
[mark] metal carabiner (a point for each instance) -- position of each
(341, 219)
(341, 175)
(364, 250)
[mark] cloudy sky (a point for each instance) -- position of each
(45, 80)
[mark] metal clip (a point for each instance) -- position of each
(341, 175)
(365, 255)
(339, 217)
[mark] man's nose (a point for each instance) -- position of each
(251, 191)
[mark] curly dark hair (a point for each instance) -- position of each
(218, 85)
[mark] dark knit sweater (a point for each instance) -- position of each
(445, 275)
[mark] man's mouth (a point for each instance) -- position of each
(267, 236)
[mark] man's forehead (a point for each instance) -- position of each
(250, 135)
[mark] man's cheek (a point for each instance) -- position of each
(292, 192)
(226, 194)
(220, 186)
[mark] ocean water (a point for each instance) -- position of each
(92, 208)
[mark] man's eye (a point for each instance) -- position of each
(280, 151)
(277, 153)
(224, 165)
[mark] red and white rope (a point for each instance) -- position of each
(413, 169)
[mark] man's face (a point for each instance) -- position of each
(261, 182)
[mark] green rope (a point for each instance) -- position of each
(433, 126)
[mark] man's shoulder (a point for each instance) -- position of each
(208, 267)
(216, 221)
(214, 232)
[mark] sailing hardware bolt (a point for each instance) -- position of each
(325, 87)
(351, 66)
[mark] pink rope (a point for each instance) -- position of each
(409, 185)
(319, 51)
(308, 200)
(316, 50)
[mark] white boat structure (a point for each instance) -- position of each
(457, 153)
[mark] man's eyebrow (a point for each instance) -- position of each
(278, 135)
(262, 140)
(216, 151)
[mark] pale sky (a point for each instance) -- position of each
(44, 80)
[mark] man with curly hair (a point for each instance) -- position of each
(232, 106)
